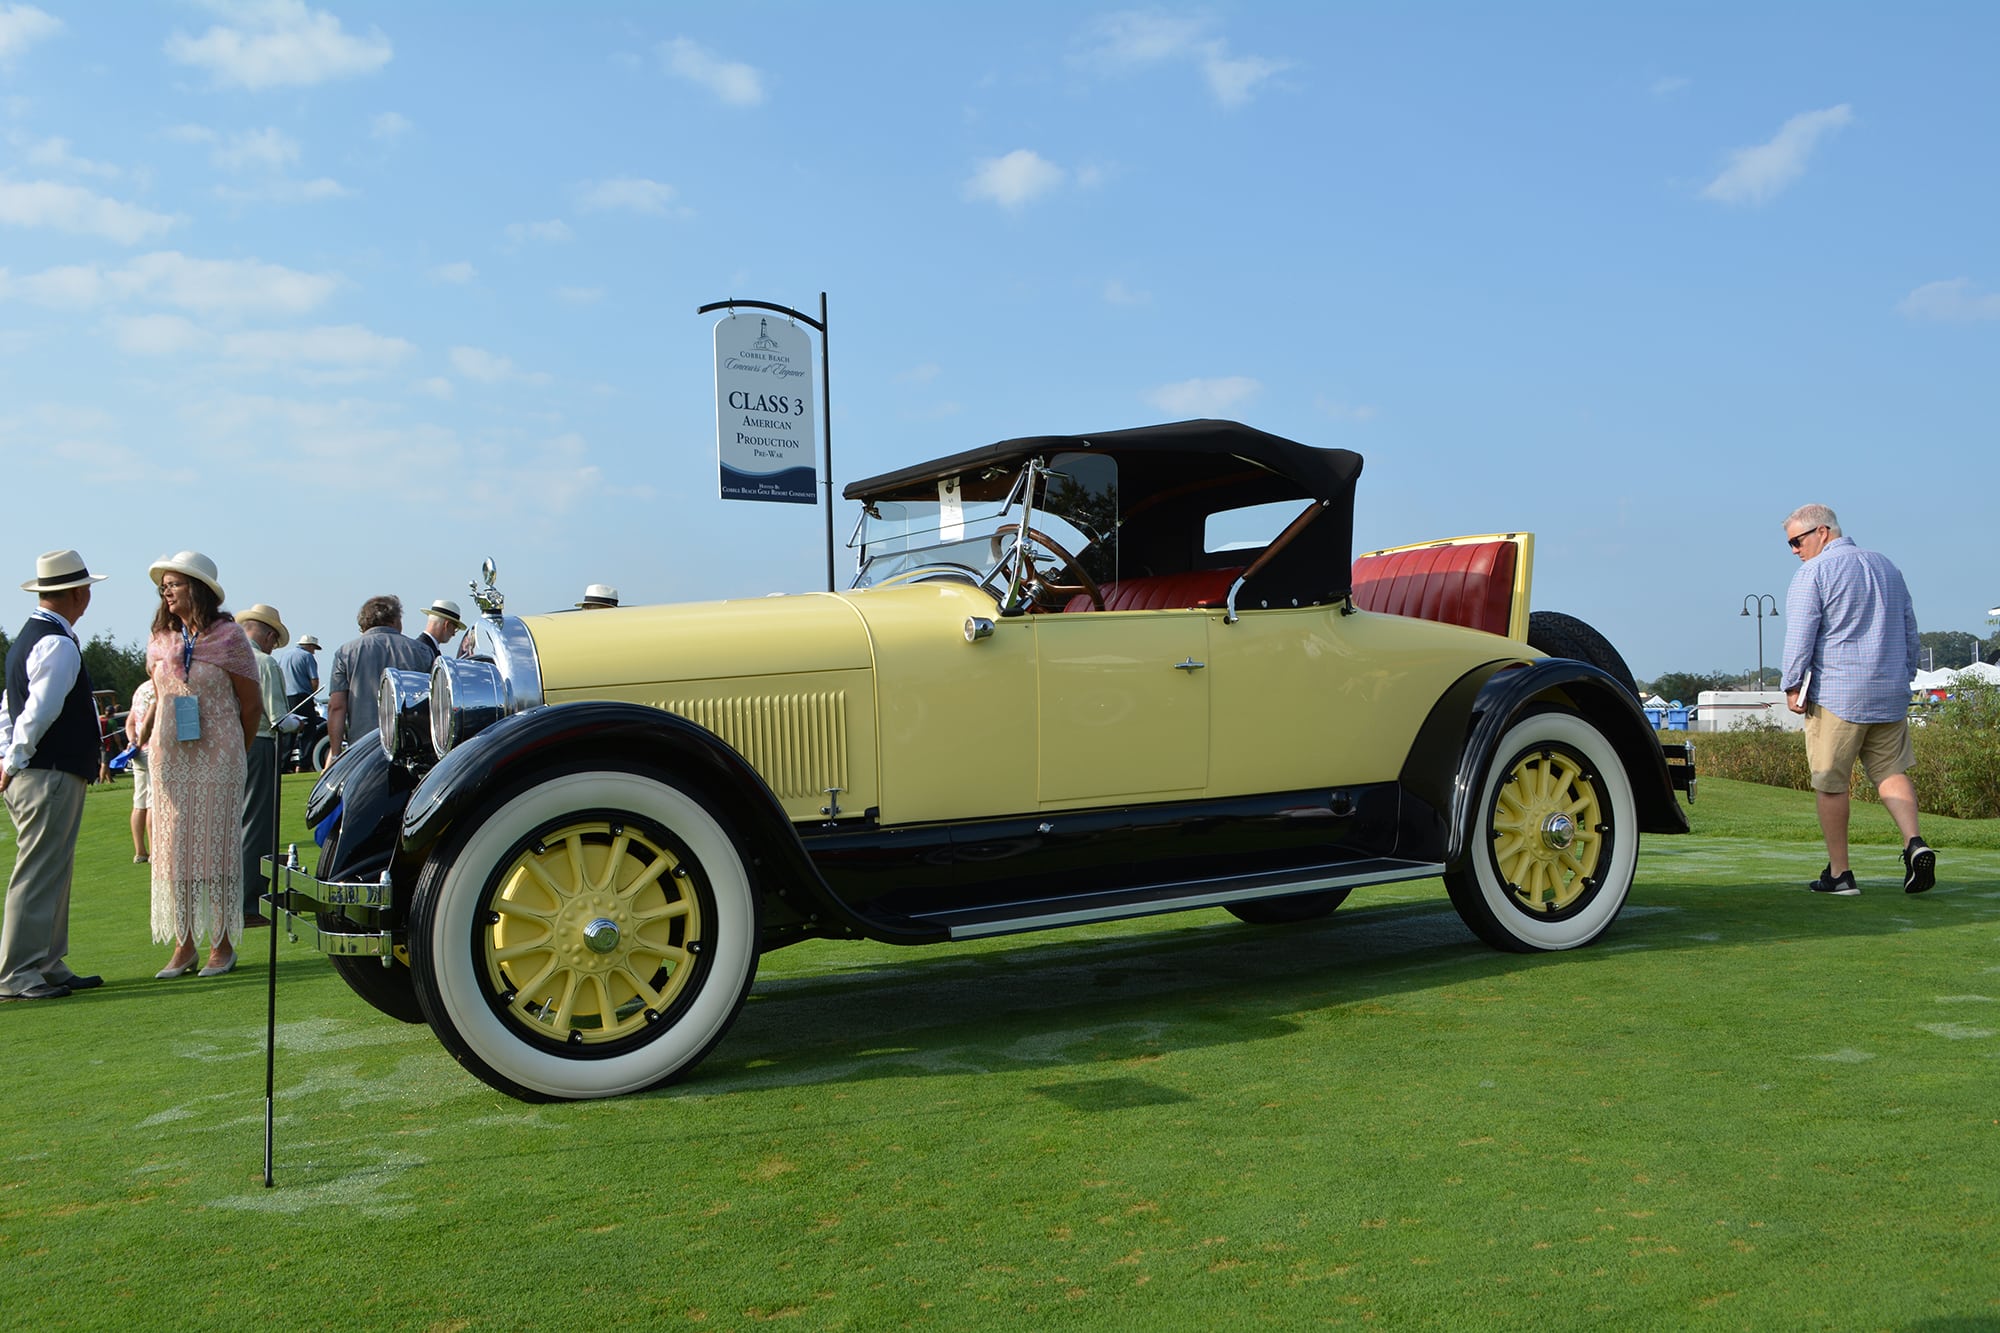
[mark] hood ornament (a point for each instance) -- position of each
(489, 598)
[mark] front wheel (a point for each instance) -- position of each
(592, 935)
(1551, 858)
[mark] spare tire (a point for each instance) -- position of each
(1559, 635)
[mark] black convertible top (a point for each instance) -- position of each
(1170, 479)
(1174, 453)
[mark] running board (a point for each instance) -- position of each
(1014, 918)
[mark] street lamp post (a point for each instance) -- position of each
(1757, 600)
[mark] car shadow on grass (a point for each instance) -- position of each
(1138, 990)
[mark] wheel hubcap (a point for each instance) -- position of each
(593, 933)
(1548, 831)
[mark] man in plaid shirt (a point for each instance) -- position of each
(1850, 653)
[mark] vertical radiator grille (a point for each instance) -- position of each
(798, 742)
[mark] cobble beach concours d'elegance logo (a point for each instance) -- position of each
(763, 410)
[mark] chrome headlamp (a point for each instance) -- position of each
(469, 694)
(403, 703)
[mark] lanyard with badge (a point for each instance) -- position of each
(187, 708)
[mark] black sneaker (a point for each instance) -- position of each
(1919, 866)
(1841, 885)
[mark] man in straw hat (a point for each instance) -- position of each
(267, 633)
(598, 597)
(441, 621)
(49, 752)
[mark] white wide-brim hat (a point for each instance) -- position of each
(191, 563)
(598, 594)
(309, 643)
(267, 615)
(446, 609)
(57, 571)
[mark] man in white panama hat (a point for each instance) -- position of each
(441, 621)
(598, 597)
(49, 752)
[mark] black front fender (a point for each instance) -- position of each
(369, 790)
(600, 732)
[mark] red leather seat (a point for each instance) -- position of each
(1470, 585)
(1161, 592)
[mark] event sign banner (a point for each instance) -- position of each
(763, 410)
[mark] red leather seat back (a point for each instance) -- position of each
(1161, 592)
(1470, 584)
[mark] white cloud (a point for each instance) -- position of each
(1117, 293)
(157, 335)
(554, 477)
(1340, 411)
(922, 374)
(1952, 301)
(54, 154)
(1234, 78)
(330, 351)
(344, 443)
(1757, 174)
(437, 386)
(1670, 84)
(552, 232)
(1134, 40)
(1203, 397)
(1012, 181)
(633, 193)
(268, 149)
(191, 134)
(460, 272)
(72, 208)
(284, 191)
(580, 295)
(21, 26)
(278, 43)
(204, 286)
(737, 84)
(389, 125)
(476, 363)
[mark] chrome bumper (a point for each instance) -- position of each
(301, 897)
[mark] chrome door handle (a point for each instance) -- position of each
(1189, 665)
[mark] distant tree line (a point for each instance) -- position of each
(112, 665)
(1944, 649)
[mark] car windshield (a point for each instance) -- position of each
(962, 529)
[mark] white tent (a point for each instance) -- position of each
(1946, 677)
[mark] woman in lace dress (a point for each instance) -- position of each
(204, 714)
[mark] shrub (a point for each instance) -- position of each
(1956, 744)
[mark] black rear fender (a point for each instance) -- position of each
(1456, 745)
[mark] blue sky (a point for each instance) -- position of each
(351, 296)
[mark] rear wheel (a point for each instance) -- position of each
(1551, 859)
(593, 934)
(320, 751)
(1559, 635)
(1289, 911)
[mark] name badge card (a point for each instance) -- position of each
(187, 717)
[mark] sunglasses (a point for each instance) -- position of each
(1793, 542)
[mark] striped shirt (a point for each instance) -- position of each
(1850, 623)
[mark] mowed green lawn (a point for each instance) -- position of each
(1747, 1107)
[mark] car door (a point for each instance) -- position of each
(1123, 705)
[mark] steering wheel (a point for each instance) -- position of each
(1030, 575)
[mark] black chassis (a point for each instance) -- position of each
(930, 883)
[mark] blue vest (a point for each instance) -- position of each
(72, 744)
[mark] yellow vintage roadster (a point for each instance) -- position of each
(1076, 678)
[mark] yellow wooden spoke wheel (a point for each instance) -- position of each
(1548, 830)
(593, 932)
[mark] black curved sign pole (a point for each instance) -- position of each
(825, 396)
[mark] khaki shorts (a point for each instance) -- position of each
(1833, 744)
(142, 787)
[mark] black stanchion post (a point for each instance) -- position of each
(271, 979)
